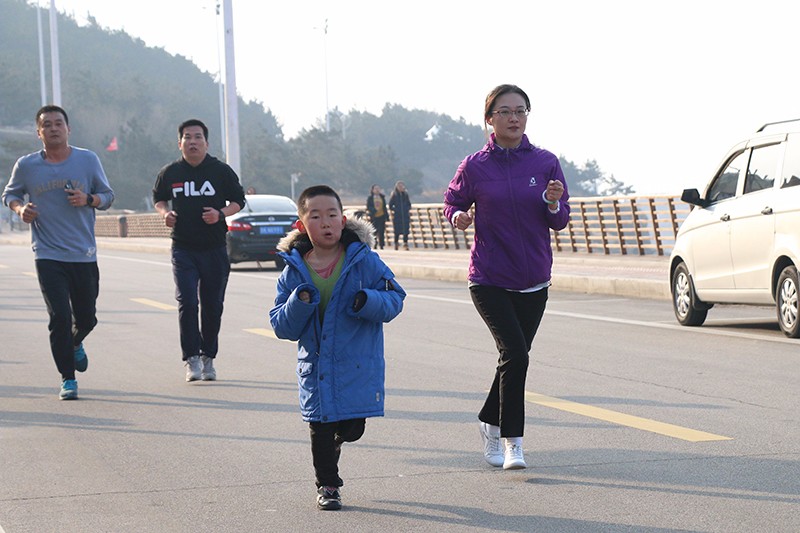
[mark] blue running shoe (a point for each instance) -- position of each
(69, 390)
(81, 361)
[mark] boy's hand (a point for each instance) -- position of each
(304, 296)
(359, 300)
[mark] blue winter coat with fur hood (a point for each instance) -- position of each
(340, 363)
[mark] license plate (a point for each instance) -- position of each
(271, 230)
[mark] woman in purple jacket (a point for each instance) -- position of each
(519, 194)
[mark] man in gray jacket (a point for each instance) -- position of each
(64, 185)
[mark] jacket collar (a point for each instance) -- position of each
(524, 145)
(355, 230)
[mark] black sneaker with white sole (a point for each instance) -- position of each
(329, 499)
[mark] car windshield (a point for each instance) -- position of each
(270, 204)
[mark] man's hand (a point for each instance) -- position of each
(211, 215)
(76, 198)
(27, 212)
(170, 218)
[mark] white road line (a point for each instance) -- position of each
(168, 264)
(642, 323)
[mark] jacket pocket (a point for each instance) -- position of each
(360, 386)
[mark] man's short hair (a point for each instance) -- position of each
(311, 192)
(193, 122)
(50, 108)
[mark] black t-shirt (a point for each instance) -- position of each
(212, 183)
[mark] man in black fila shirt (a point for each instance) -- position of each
(194, 195)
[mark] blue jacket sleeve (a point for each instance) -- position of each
(384, 298)
(290, 315)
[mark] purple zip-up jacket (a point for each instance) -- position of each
(512, 222)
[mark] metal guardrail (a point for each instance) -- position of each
(610, 225)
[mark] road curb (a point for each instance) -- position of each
(612, 278)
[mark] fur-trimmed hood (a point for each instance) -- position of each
(355, 230)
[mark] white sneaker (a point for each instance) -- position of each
(208, 373)
(514, 459)
(194, 368)
(492, 450)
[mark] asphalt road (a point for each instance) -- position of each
(633, 423)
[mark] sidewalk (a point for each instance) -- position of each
(629, 276)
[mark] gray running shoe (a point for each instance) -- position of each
(194, 368)
(208, 373)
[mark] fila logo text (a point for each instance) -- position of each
(189, 188)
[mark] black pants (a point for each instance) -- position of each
(70, 292)
(200, 281)
(513, 318)
(380, 230)
(326, 447)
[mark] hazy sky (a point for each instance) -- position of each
(656, 92)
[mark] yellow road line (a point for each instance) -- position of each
(153, 303)
(4, 266)
(31, 274)
(264, 332)
(622, 419)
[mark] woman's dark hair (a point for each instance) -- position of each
(499, 91)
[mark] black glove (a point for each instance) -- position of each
(359, 300)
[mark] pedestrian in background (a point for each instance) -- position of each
(333, 297)
(400, 206)
(519, 194)
(64, 185)
(378, 213)
(194, 195)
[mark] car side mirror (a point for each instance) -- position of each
(691, 196)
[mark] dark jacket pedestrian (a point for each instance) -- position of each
(194, 195)
(400, 206)
(378, 213)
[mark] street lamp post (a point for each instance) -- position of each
(55, 64)
(295, 179)
(325, 59)
(42, 80)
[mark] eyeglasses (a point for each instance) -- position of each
(507, 113)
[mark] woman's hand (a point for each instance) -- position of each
(463, 220)
(555, 189)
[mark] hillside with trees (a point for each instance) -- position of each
(116, 87)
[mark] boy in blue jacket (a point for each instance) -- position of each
(333, 297)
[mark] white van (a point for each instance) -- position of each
(741, 242)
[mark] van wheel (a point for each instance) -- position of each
(786, 302)
(684, 300)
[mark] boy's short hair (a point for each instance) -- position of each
(311, 192)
